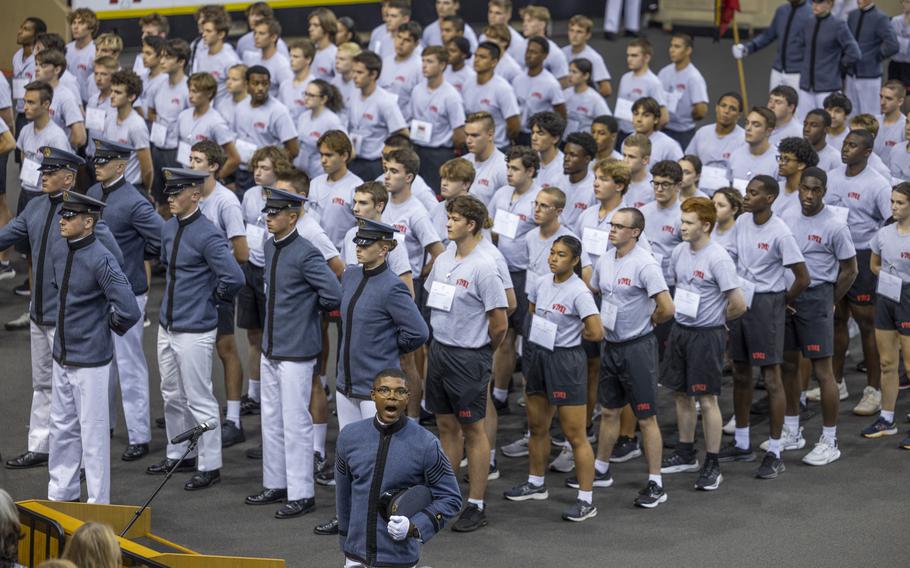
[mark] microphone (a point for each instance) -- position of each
(195, 432)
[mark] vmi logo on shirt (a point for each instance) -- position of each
(315, 134)
(668, 229)
(175, 101)
(698, 274)
(725, 155)
(401, 228)
(764, 246)
(368, 116)
(484, 181)
(581, 205)
(582, 109)
(434, 108)
(82, 66)
(636, 92)
(338, 201)
(259, 125)
(624, 281)
(537, 95)
(905, 255)
(890, 143)
(558, 308)
(200, 137)
(522, 217)
(815, 238)
(463, 283)
(400, 78)
(854, 195)
(680, 86)
(486, 102)
(298, 102)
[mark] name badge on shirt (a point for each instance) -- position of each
(29, 174)
(889, 286)
(94, 118)
(255, 236)
(183, 153)
(623, 110)
(441, 296)
(595, 241)
(356, 142)
(158, 134)
(608, 313)
(19, 88)
(421, 131)
(713, 177)
(673, 100)
(686, 302)
(506, 223)
(740, 184)
(245, 149)
(748, 288)
(543, 332)
(840, 213)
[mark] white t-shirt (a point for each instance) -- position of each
(223, 209)
(556, 62)
(496, 97)
(94, 102)
(515, 249)
(278, 64)
(333, 200)
(829, 158)
(664, 148)
(311, 230)
(894, 250)
(489, 175)
(81, 62)
(292, 95)
(579, 196)
(400, 78)
(536, 94)
(868, 198)
(217, 66)
(792, 129)
(508, 68)
(824, 241)
(65, 109)
(764, 252)
(539, 253)
(599, 71)
(247, 44)
(209, 126)
(432, 35)
(714, 150)
(131, 132)
(684, 87)
(889, 137)
(708, 272)
(458, 78)
(442, 108)
(268, 124)
(30, 140)
(632, 87)
(551, 173)
(582, 108)
(629, 284)
(413, 222)
(309, 131)
(23, 74)
(323, 65)
(382, 42)
(662, 231)
(744, 165)
(640, 193)
(227, 107)
(374, 119)
(169, 101)
(565, 304)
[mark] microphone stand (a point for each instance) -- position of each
(189, 448)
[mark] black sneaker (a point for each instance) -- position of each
(319, 463)
(580, 511)
(7, 272)
(526, 491)
(248, 406)
(771, 466)
(625, 449)
(677, 463)
(492, 475)
(650, 496)
(501, 406)
(710, 477)
(600, 480)
(471, 519)
(23, 289)
(231, 434)
(733, 453)
(326, 477)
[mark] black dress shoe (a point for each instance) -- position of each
(27, 460)
(166, 464)
(231, 434)
(203, 480)
(135, 451)
(328, 528)
(255, 453)
(296, 508)
(267, 497)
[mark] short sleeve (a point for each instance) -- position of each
(455, 111)
(221, 133)
(698, 89)
(876, 243)
(652, 279)
(789, 250)
(508, 102)
(233, 220)
(843, 243)
(724, 271)
(584, 303)
(138, 134)
(425, 231)
(492, 293)
(282, 124)
(393, 117)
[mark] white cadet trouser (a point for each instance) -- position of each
(185, 365)
(79, 434)
(781, 78)
(287, 426)
(352, 409)
(348, 563)
(810, 101)
(133, 372)
(864, 94)
(42, 348)
(631, 10)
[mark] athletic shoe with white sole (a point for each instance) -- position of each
(600, 480)
(731, 453)
(564, 462)
(815, 395)
(650, 496)
(771, 466)
(625, 449)
(730, 427)
(517, 449)
(580, 511)
(788, 440)
(677, 463)
(870, 403)
(824, 452)
(7, 272)
(527, 491)
(491, 476)
(879, 429)
(710, 477)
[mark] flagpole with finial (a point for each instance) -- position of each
(724, 16)
(739, 66)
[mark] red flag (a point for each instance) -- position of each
(723, 14)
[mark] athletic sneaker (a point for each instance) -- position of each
(815, 395)
(526, 492)
(7, 271)
(879, 429)
(326, 477)
(517, 449)
(824, 452)
(248, 406)
(501, 406)
(710, 477)
(600, 480)
(493, 474)
(559, 440)
(21, 322)
(580, 511)
(870, 404)
(471, 519)
(564, 462)
(730, 427)
(650, 496)
(905, 443)
(677, 463)
(625, 449)
(23, 289)
(733, 453)
(771, 466)
(788, 440)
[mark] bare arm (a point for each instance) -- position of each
(7, 115)
(434, 250)
(594, 329)
(875, 263)
(336, 266)
(513, 127)
(408, 280)
(78, 136)
(665, 308)
(511, 301)
(233, 160)
(848, 272)
(801, 283)
(292, 146)
(458, 137)
(497, 325)
(7, 143)
(699, 111)
(736, 304)
(146, 170)
(241, 249)
(604, 88)
(664, 117)
(560, 109)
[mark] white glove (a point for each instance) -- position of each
(398, 527)
(739, 51)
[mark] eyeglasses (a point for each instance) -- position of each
(544, 206)
(311, 95)
(618, 226)
(386, 391)
(664, 185)
(781, 159)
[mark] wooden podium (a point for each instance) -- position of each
(47, 524)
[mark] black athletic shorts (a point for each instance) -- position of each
(518, 319)
(458, 380)
(811, 328)
(561, 374)
(862, 293)
(251, 298)
(757, 338)
(628, 375)
(694, 360)
(893, 316)
(225, 318)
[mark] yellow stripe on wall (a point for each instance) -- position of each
(231, 7)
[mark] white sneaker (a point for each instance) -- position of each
(564, 462)
(697, 408)
(517, 449)
(815, 395)
(824, 452)
(730, 427)
(788, 440)
(870, 404)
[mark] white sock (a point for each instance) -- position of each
(233, 412)
(252, 389)
(319, 432)
(792, 423)
(324, 380)
(742, 438)
(829, 432)
(476, 502)
(536, 480)
(492, 457)
(586, 496)
(803, 398)
(500, 394)
(774, 446)
(601, 467)
(888, 415)
(656, 479)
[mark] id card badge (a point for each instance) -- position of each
(686, 302)
(623, 110)
(506, 223)
(183, 153)
(543, 332)
(94, 118)
(255, 236)
(740, 184)
(245, 149)
(673, 98)
(889, 286)
(713, 177)
(595, 241)
(19, 88)
(159, 134)
(748, 288)
(608, 313)
(421, 131)
(29, 174)
(356, 142)
(441, 296)
(840, 213)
